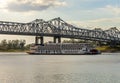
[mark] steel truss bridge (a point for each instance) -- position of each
(60, 29)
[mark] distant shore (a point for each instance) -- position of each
(108, 49)
(104, 49)
(12, 50)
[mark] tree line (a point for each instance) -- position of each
(6, 45)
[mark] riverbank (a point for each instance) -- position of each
(109, 49)
(13, 50)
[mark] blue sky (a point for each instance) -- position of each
(83, 13)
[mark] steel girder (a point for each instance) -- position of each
(58, 27)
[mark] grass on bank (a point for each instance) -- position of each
(13, 50)
(108, 49)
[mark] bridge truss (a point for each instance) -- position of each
(58, 27)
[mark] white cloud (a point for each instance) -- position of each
(104, 23)
(113, 9)
(104, 17)
(113, 20)
(31, 5)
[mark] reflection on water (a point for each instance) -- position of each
(59, 69)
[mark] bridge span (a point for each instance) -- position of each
(58, 29)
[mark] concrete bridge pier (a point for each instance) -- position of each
(39, 40)
(113, 44)
(57, 39)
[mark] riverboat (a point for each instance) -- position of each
(63, 49)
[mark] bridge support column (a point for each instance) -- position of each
(113, 44)
(39, 40)
(57, 39)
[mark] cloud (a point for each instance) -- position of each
(102, 17)
(106, 20)
(104, 23)
(32, 5)
(113, 9)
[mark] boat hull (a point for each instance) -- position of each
(36, 53)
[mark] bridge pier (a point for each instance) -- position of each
(57, 39)
(39, 40)
(113, 44)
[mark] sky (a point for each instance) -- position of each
(83, 13)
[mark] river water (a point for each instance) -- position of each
(24, 68)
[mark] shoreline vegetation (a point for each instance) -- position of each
(20, 46)
(108, 49)
(13, 50)
(13, 46)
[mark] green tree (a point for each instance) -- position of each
(22, 44)
(3, 45)
(12, 45)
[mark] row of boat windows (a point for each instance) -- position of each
(56, 47)
(55, 51)
(65, 45)
(37, 50)
(62, 47)
(47, 51)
